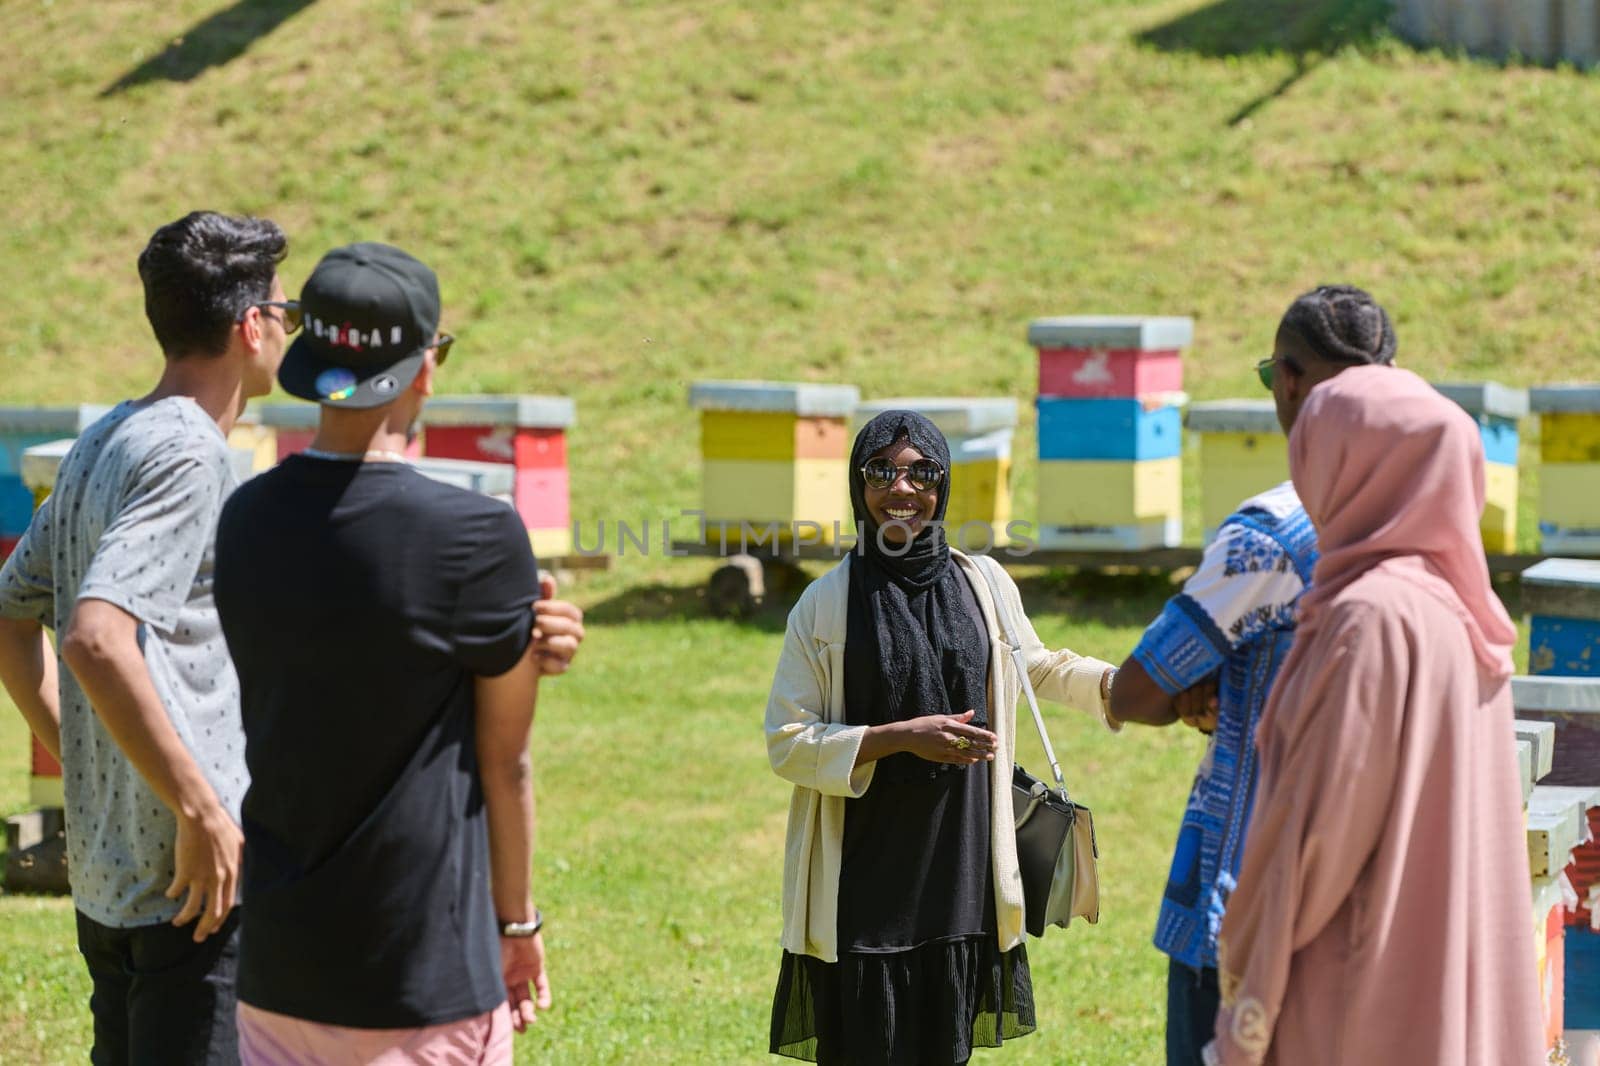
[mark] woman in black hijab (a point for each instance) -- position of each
(902, 902)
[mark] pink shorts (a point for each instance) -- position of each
(268, 1039)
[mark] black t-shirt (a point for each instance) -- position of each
(358, 601)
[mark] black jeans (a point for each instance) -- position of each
(1192, 1001)
(159, 998)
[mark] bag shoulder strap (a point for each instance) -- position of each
(987, 567)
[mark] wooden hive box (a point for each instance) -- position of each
(1243, 452)
(1497, 409)
(528, 435)
(774, 453)
(1094, 357)
(1569, 468)
(1110, 473)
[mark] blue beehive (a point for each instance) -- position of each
(1125, 429)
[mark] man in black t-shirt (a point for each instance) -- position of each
(380, 624)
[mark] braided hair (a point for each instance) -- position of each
(1343, 324)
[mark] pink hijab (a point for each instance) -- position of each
(1391, 474)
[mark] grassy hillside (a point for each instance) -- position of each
(621, 197)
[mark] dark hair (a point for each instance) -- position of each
(1343, 324)
(201, 273)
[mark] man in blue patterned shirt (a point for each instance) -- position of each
(1211, 656)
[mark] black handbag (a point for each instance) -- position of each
(1056, 847)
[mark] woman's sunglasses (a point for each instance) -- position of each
(924, 474)
(1266, 370)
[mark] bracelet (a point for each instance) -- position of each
(1107, 679)
(523, 929)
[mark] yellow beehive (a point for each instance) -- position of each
(1243, 452)
(1497, 409)
(774, 452)
(980, 485)
(1499, 524)
(1110, 492)
(1569, 468)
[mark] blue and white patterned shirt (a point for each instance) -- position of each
(1236, 616)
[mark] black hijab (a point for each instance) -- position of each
(912, 646)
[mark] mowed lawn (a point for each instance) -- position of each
(623, 197)
(661, 848)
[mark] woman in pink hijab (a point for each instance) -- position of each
(1382, 914)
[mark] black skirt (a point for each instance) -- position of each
(926, 1006)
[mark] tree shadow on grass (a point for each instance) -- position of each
(214, 41)
(1306, 30)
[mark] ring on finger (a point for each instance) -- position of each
(961, 743)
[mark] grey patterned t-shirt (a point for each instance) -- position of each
(133, 522)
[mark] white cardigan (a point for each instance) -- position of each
(808, 745)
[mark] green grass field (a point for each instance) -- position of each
(622, 197)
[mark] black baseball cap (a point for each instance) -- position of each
(371, 311)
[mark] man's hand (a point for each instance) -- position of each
(206, 866)
(527, 984)
(557, 629)
(1197, 706)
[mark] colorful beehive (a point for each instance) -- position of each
(1569, 468)
(1110, 357)
(37, 470)
(1243, 452)
(1562, 598)
(20, 429)
(775, 452)
(1110, 431)
(979, 434)
(526, 433)
(1497, 410)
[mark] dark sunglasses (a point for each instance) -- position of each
(1266, 370)
(291, 318)
(441, 348)
(923, 474)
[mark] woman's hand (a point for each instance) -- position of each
(948, 738)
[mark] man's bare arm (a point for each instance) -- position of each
(28, 671)
(505, 709)
(101, 647)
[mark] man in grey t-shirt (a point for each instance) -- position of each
(118, 561)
